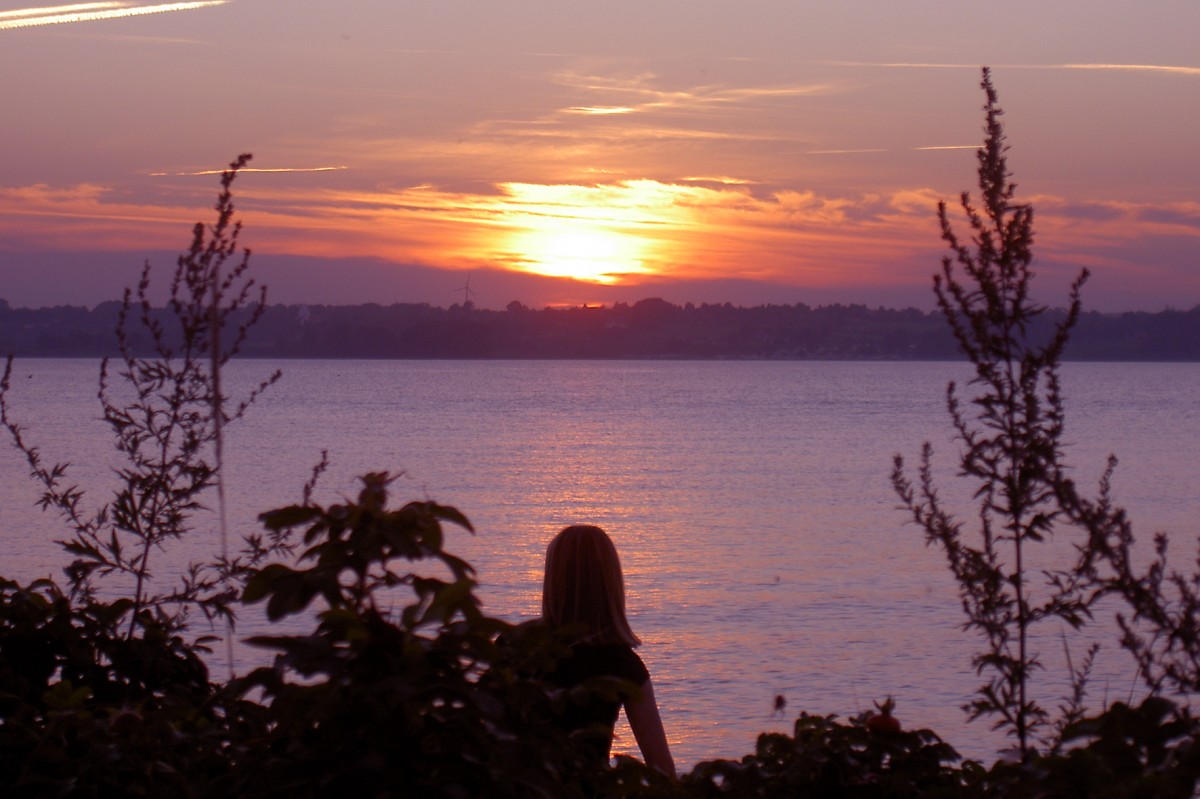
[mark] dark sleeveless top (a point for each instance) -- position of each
(586, 662)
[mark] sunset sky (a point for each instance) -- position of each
(560, 152)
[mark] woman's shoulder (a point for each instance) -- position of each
(618, 660)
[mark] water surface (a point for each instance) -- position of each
(750, 501)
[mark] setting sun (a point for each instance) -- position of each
(600, 233)
(574, 249)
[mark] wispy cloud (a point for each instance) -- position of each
(724, 180)
(850, 152)
(927, 148)
(88, 12)
(643, 94)
(1177, 70)
(599, 110)
(625, 119)
(1162, 68)
(899, 64)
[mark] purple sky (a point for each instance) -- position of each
(562, 152)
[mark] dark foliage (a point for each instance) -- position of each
(434, 699)
(86, 710)
(824, 758)
(426, 700)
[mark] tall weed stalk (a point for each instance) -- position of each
(1009, 424)
(167, 419)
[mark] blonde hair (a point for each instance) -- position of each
(584, 585)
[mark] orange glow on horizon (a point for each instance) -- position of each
(622, 233)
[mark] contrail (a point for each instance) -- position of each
(1175, 69)
(1138, 68)
(87, 12)
(896, 150)
(249, 169)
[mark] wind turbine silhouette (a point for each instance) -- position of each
(467, 294)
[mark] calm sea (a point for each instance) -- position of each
(751, 504)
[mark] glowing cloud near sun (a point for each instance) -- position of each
(88, 12)
(597, 110)
(600, 233)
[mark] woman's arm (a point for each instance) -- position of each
(647, 727)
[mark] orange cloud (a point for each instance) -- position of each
(1093, 233)
(624, 232)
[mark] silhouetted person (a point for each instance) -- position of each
(584, 591)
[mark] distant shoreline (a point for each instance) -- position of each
(651, 329)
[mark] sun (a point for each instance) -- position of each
(580, 249)
(603, 233)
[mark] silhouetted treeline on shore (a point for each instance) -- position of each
(651, 328)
